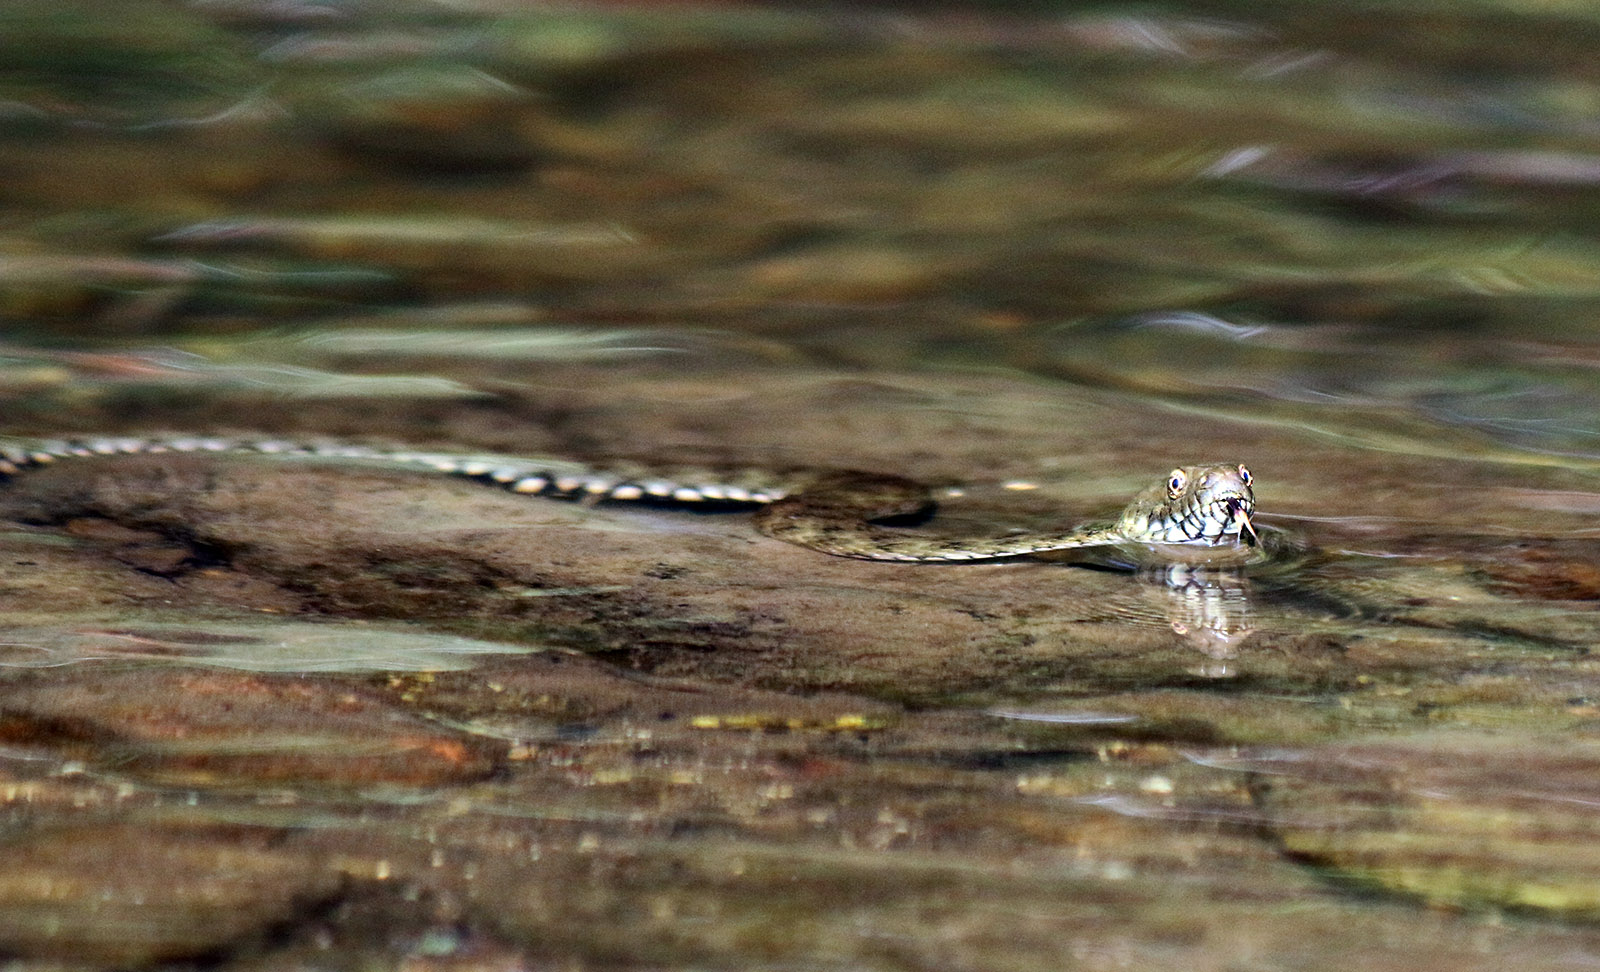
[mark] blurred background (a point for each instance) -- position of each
(1373, 219)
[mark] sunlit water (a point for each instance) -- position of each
(1032, 256)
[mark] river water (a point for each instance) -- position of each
(266, 713)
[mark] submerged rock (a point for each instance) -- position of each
(127, 894)
(213, 728)
(1465, 820)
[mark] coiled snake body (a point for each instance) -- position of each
(1194, 510)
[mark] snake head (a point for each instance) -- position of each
(1209, 505)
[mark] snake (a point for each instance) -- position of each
(1194, 511)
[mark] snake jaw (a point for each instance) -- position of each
(1224, 519)
(1239, 510)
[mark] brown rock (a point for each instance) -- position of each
(1461, 820)
(130, 894)
(207, 727)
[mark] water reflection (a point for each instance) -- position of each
(1209, 609)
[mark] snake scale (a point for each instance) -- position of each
(1194, 509)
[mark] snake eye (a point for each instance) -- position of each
(1176, 482)
(1244, 475)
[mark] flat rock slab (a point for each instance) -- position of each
(1462, 820)
(181, 726)
(130, 893)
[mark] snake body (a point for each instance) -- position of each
(1195, 510)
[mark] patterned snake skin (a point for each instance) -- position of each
(1195, 508)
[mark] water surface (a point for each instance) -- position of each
(262, 714)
